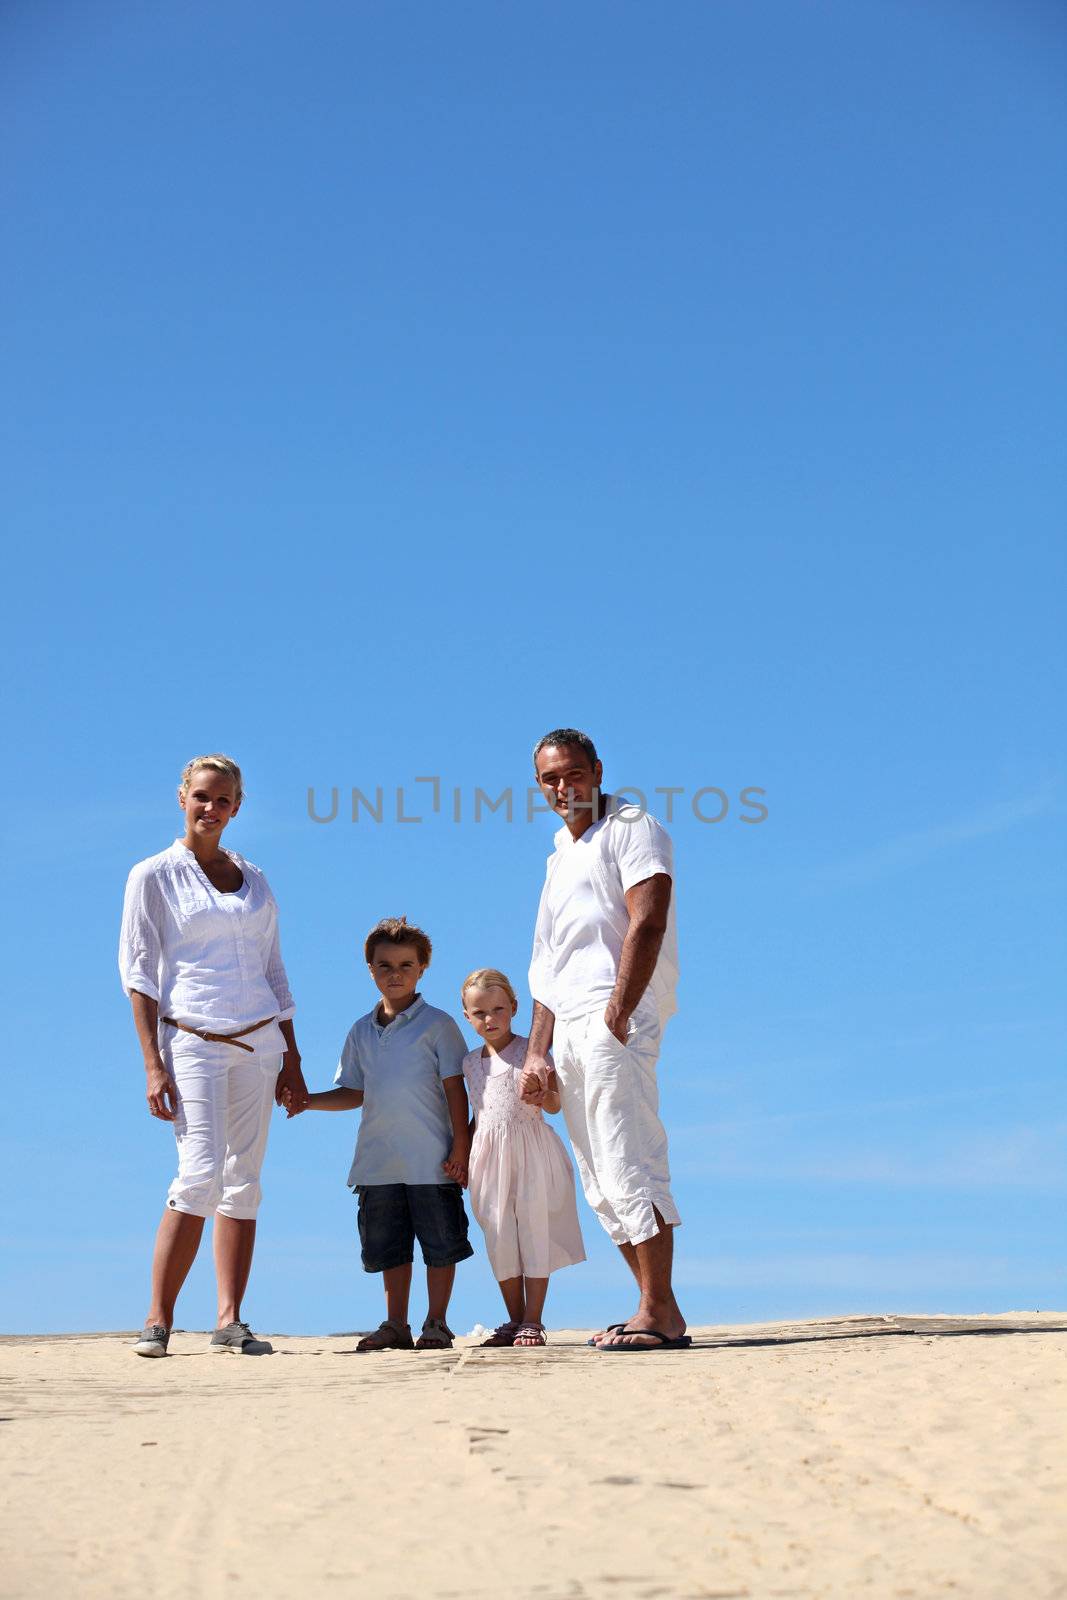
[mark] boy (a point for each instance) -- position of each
(403, 1064)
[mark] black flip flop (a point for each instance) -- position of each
(612, 1327)
(682, 1343)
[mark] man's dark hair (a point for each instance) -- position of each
(398, 930)
(566, 736)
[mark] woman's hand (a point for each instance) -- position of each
(161, 1091)
(291, 1090)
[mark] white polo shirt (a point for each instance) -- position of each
(582, 920)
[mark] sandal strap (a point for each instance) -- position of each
(435, 1325)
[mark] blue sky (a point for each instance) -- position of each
(386, 384)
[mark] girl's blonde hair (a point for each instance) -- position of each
(216, 763)
(486, 978)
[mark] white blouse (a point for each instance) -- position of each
(211, 960)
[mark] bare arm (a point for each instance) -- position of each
(291, 1090)
(161, 1091)
(550, 1098)
(458, 1110)
(340, 1099)
(536, 1070)
(648, 903)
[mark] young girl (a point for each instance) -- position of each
(521, 1182)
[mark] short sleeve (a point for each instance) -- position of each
(473, 1077)
(449, 1047)
(642, 849)
(349, 1074)
(141, 934)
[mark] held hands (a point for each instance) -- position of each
(161, 1092)
(456, 1165)
(534, 1080)
(291, 1090)
(291, 1109)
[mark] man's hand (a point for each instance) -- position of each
(534, 1080)
(161, 1091)
(456, 1165)
(291, 1091)
(617, 1023)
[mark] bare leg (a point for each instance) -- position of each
(629, 1255)
(658, 1308)
(397, 1282)
(439, 1281)
(514, 1298)
(235, 1240)
(177, 1241)
(536, 1290)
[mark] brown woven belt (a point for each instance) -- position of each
(222, 1038)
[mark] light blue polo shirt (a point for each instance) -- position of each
(405, 1132)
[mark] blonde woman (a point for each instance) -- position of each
(201, 962)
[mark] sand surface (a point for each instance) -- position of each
(867, 1457)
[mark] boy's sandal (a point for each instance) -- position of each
(529, 1334)
(503, 1337)
(388, 1336)
(435, 1335)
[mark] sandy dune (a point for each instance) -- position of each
(816, 1459)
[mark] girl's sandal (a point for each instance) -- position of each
(529, 1334)
(504, 1337)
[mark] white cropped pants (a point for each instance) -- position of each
(610, 1102)
(225, 1100)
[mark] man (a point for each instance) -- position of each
(603, 977)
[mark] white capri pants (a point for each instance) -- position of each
(610, 1102)
(225, 1100)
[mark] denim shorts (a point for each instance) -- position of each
(393, 1215)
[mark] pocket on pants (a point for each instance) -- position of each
(602, 1036)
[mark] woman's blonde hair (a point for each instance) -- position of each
(216, 763)
(486, 978)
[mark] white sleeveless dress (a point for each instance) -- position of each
(521, 1180)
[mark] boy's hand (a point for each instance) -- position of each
(533, 1081)
(456, 1165)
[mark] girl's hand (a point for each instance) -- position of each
(161, 1092)
(533, 1081)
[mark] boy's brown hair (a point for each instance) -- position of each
(398, 930)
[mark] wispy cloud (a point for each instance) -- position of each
(911, 849)
(1021, 1158)
(851, 1111)
(858, 1272)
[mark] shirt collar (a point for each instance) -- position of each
(412, 1010)
(563, 835)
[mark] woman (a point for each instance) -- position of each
(201, 963)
